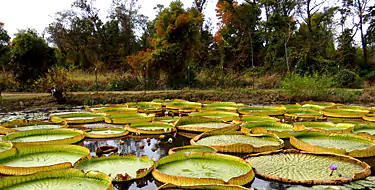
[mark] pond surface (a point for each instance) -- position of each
(153, 149)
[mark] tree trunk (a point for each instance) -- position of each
(311, 31)
(363, 39)
(252, 50)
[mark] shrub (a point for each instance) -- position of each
(348, 79)
(307, 87)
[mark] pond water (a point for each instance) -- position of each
(153, 149)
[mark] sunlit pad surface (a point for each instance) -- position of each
(300, 167)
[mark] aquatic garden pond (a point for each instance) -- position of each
(177, 144)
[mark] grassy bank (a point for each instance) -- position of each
(19, 101)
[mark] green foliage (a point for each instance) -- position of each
(348, 79)
(4, 48)
(307, 86)
(30, 57)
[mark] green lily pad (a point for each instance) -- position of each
(119, 168)
(202, 168)
(34, 158)
(254, 119)
(129, 118)
(224, 104)
(365, 129)
(236, 142)
(150, 128)
(214, 114)
(166, 119)
(293, 166)
(53, 136)
(192, 148)
(4, 146)
(262, 110)
(170, 186)
(280, 129)
(369, 117)
(199, 124)
(24, 125)
(76, 117)
(227, 109)
(105, 133)
(326, 126)
(69, 179)
(348, 144)
(303, 113)
(345, 113)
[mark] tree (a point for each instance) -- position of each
(360, 8)
(346, 50)
(4, 46)
(370, 36)
(30, 57)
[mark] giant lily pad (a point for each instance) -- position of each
(318, 105)
(280, 129)
(292, 106)
(170, 186)
(119, 168)
(214, 114)
(77, 117)
(324, 126)
(69, 179)
(293, 166)
(24, 125)
(199, 124)
(6, 148)
(168, 119)
(114, 110)
(225, 140)
(365, 129)
(227, 109)
(224, 104)
(369, 117)
(150, 128)
(202, 168)
(34, 158)
(345, 113)
(149, 107)
(352, 107)
(254, 119)
(262, 110)
(95, 126)
(192, 148)
(347, 144)
(184, 106)
(104, 133)
(129, 118)
(303, 113)
(53, 136)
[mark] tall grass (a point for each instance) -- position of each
(301, 87)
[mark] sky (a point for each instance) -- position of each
(37, 14)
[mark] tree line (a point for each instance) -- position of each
(300, 36)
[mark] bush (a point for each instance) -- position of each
(7, 82)
(348, 79)
(307, 87)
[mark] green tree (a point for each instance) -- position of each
(346, 58)
(30, 57)
(371, 29)
(4, 47)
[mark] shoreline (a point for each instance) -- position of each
(23, 101)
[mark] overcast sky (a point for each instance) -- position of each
(20, 14)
